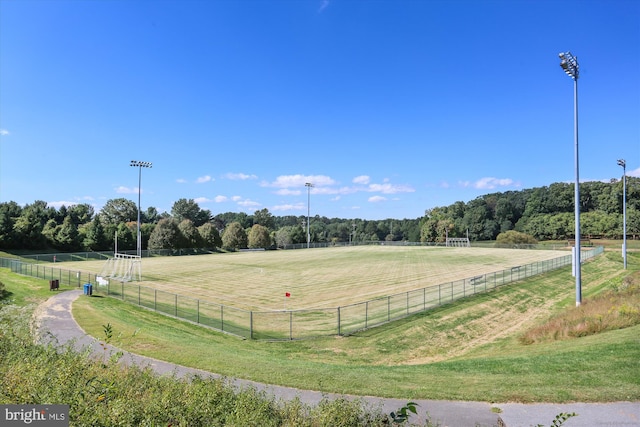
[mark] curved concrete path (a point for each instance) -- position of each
(53, 318)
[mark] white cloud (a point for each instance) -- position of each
(287, 192)
(489, 183)
(203, 179)
(362, 179)
(126, 190)
(239, 176)
(220, 199)
(181, 181)
(236, 198)
(247, 203)
(375, 199)
(288, 181)
(332, 190)
(289, 207)
(201, 200)
(387, 188)
(634, 173)
(4, 132)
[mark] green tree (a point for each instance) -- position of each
(436, 224)
(28, 226)
(512, 237)
(264, 217)
(234, 237)
(599, 223)
(119, 211)
(283, 236)
(224, 219)
(94, 236)
(150, 215)
(81, 214)
(210, 236)
(165, 235)
(49, 232)
(9, 212)
(189, 236)
(67, 236)
(189, 209)
(633, 223)
(259, 237)
(145, 230)
(127, 239)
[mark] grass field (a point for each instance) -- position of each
(466, 350)
(319, 278)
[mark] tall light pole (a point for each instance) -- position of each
(623, 163)
(308, 185)
(139, 165)
(569, 64)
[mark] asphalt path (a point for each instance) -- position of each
(54, 321)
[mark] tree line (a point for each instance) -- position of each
(543, 213)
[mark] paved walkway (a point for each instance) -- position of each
(54, 317)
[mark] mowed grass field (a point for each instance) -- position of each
(465, 350)
(319, 278)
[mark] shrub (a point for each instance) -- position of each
(513, 237)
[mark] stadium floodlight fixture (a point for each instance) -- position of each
(308, 185)
(569, 64)
(139, 164)
(623, 163)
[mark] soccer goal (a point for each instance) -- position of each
(122, 267)
(458, 242)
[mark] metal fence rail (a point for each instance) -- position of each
(294, 324)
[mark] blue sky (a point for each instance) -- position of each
(388, 107)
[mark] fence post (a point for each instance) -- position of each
(339, 321)
(366, 314)
(197, 311)
(291, 325)
(176, 305)
(222, 317)
(407, 302)
(251, 324)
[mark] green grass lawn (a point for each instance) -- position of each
(468, 350)
(318, 278)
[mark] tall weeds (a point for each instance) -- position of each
(616, 308)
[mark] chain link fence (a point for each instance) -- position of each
(293, 324)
